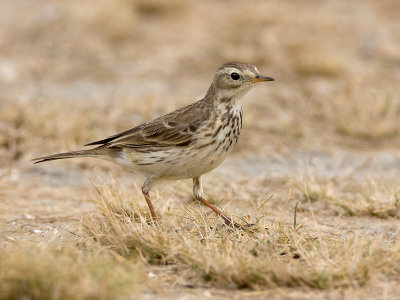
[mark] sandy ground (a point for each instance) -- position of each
(45, 203)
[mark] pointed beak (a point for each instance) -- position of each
(261, 78)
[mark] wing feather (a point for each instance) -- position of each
(173, 129)
(156, 134)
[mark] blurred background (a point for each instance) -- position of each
(75, 71)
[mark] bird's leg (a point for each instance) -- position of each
(153, 214)
(198, 193)
(145, 190)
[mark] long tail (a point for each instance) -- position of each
(96, 152)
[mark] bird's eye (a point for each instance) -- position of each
(235, 76)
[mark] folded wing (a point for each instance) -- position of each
(157, 134)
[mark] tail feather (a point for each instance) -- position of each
(72, 154)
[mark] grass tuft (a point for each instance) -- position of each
(231, 258)
(45, 273)
(373, 198)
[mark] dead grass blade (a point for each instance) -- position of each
(231, 258)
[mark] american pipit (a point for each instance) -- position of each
(185, 143)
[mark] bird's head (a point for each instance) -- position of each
(235, 79)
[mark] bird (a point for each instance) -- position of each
(185, 143)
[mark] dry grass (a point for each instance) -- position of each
(272, 255)
(372, 198)
(32, 272)
(64, 125)
(367, 114)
